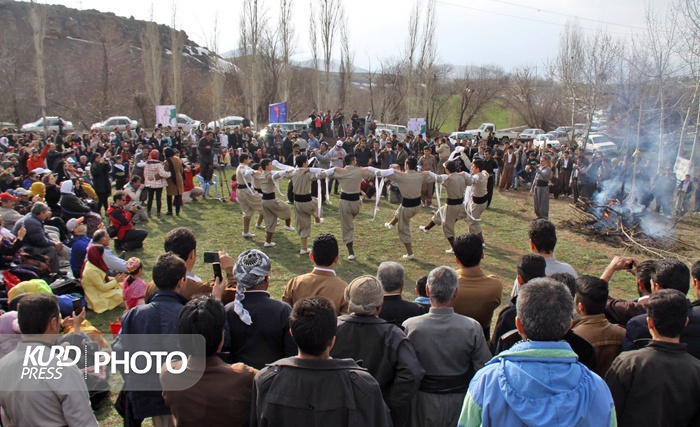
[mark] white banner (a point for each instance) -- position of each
(683, 167)
(166, 115)
(417, 126)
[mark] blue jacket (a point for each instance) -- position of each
(78, 249)
(158, 316)
(537, 384)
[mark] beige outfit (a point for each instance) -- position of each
(303, 210)
(474, 209)
(409, 184)
(320, 282)
(272, 208)
(443, 154)
(427, 164)
(453, 210)
(249, 202)
(349, 179)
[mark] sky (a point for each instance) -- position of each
(508, 33)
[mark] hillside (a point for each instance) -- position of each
(93, 65)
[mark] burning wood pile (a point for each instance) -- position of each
(624, 224)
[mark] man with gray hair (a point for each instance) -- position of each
(395, 309)
(383, 348)
(539, 382)
(449, 363)
(38, 239)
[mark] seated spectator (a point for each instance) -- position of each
(479, 295)
(395, 309)
(74, 205)
(78, 244)
(7, 210)
(52, 194)
(606, 338)
(382, 346)
(51, 402)
(663, 369)
(24, 205)
(539, 382)
(529, 266)
(258, 326)
(133, 287)
(322, 280)
(449, 364)
(102, 293)
(297, 388)
(38, 239)
(190, 191)
(134, 189)
(127, 238)
(182, 242)
(668, 274)
(221, 396)
(422, 299)
(620, 312)
(543, 240)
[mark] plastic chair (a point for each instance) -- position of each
(207, 186)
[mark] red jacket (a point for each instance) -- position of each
(121, 219)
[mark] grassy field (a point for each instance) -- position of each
(218, 227)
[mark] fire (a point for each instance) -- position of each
(606, 214)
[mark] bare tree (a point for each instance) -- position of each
(330, 15)
(427, 59)
(477, 87)
(391, 86)
(313, 39)
(37, 19)
(535, 100)
(271, 67)
(152, 57)
(252, 21)
(218, 74)
(346, 65)
(437, 105)
(286, 34)
(177, 43)
(410, 55)
(660, 39)
(569, 64)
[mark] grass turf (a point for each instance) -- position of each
(218, 226)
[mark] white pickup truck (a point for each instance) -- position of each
(503, 135)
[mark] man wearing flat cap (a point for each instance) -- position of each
(383, 347)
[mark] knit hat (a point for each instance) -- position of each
(132, 265)
(364, 294)
(250, 270)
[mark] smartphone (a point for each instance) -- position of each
(77, 306)
(210, 257)
(217, 270)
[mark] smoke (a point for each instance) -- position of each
(631, 202)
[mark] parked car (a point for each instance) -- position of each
(529, 134)
(117, 122)
(228, 122)
(284, 127)
(544, 139)
(7, 125)
(458, 136)
(187, 123)
(400, 130)
(51, 125)
(598, 142)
